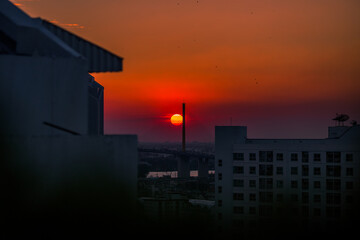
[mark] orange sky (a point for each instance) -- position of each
(281, 67)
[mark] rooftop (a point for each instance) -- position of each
(22, 35)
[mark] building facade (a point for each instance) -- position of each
(58, 171)
(293, 184)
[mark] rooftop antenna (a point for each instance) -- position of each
(340, 119)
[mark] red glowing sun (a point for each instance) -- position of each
(176, 119)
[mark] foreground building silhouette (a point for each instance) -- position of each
(287, 187)
(58, 171)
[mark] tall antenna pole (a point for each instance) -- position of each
(183, 129)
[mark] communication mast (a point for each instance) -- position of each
(183, 128)
(340, 119)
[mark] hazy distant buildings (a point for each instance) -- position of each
(286, 184)
(51, 167)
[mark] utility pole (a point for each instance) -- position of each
(183, 129)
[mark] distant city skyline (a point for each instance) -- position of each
(282, 68)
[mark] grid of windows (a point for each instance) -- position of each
(315, 189)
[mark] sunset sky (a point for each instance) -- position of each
(283, 68)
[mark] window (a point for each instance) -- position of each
(333, 198)
(294, 157)
(305, 170)
(252, 170)
(238, 170)
(305, 156)
(265, 170)
(219, 189)
(238, 183)
(294, 197)
(265, 211)
(265, 183)
(295, 211)
(333, 212)
(252, 183)
(333, 171)
(317, 212)
(294, 170)
(317, 171)
(317, 184)
(305, 197)
(265, 197)
(265, 156)
(349, 199)
(252, 210)
(294, 184)
(333, 157)
(349, 185)
(305, 211)
(279, 157)
(252, 197)
(349, 157)
(220, 163)
(305, 184)
(238, 223)
(317, 198)
(238, 210)
(333, 184)
(317, 157)
(238, 196)
(279, 184)
(252, 156)
(279, 170)
(219, 203)
(279, 197)
(219, 176)
(238, 156)
(349, 172)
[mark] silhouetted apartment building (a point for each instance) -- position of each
(286, 184)
(50, 105)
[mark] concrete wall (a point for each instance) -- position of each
(37, 89)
